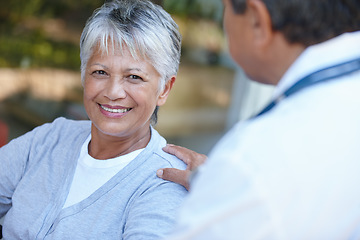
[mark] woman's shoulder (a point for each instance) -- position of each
(61, 127)
(71, 124)
(171, 160)
(66, 125)
(168, 160)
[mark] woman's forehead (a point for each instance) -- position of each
(121, 58)
(115, 47)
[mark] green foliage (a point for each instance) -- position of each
(23, 42)
(210, 9)
(15, 10)
(37, 51)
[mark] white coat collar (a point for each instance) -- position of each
(336, 50)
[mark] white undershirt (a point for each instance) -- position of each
(91, 174)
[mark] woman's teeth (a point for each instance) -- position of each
(117, 110)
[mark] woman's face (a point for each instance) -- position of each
(120, 93)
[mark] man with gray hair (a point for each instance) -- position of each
(292, 171)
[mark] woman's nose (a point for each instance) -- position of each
(115, 89)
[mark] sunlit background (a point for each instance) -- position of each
(40, 77)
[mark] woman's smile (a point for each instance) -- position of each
(114, 109)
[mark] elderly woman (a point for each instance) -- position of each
(96, 179)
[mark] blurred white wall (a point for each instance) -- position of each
(248, 98)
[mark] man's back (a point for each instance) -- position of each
(291, 173)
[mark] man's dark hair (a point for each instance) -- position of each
(310, 21)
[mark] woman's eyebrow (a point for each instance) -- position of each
(99, 64)
(135, 69)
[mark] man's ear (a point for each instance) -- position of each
(261, 24)
(165, 92)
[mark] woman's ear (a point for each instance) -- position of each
(165, 92)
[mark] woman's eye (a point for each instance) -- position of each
(135, 77)
(99, 72)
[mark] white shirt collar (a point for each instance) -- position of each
(339, 49)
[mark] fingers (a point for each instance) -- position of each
(180, 152)
(191, 158)
(175, 175)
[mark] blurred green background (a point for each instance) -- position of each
(40, 79)
(45, 33)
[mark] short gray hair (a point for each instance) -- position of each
(146, 29)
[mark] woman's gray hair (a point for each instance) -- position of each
(144, 28)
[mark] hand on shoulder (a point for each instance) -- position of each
(190, 157)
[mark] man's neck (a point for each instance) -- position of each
(277, 60)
